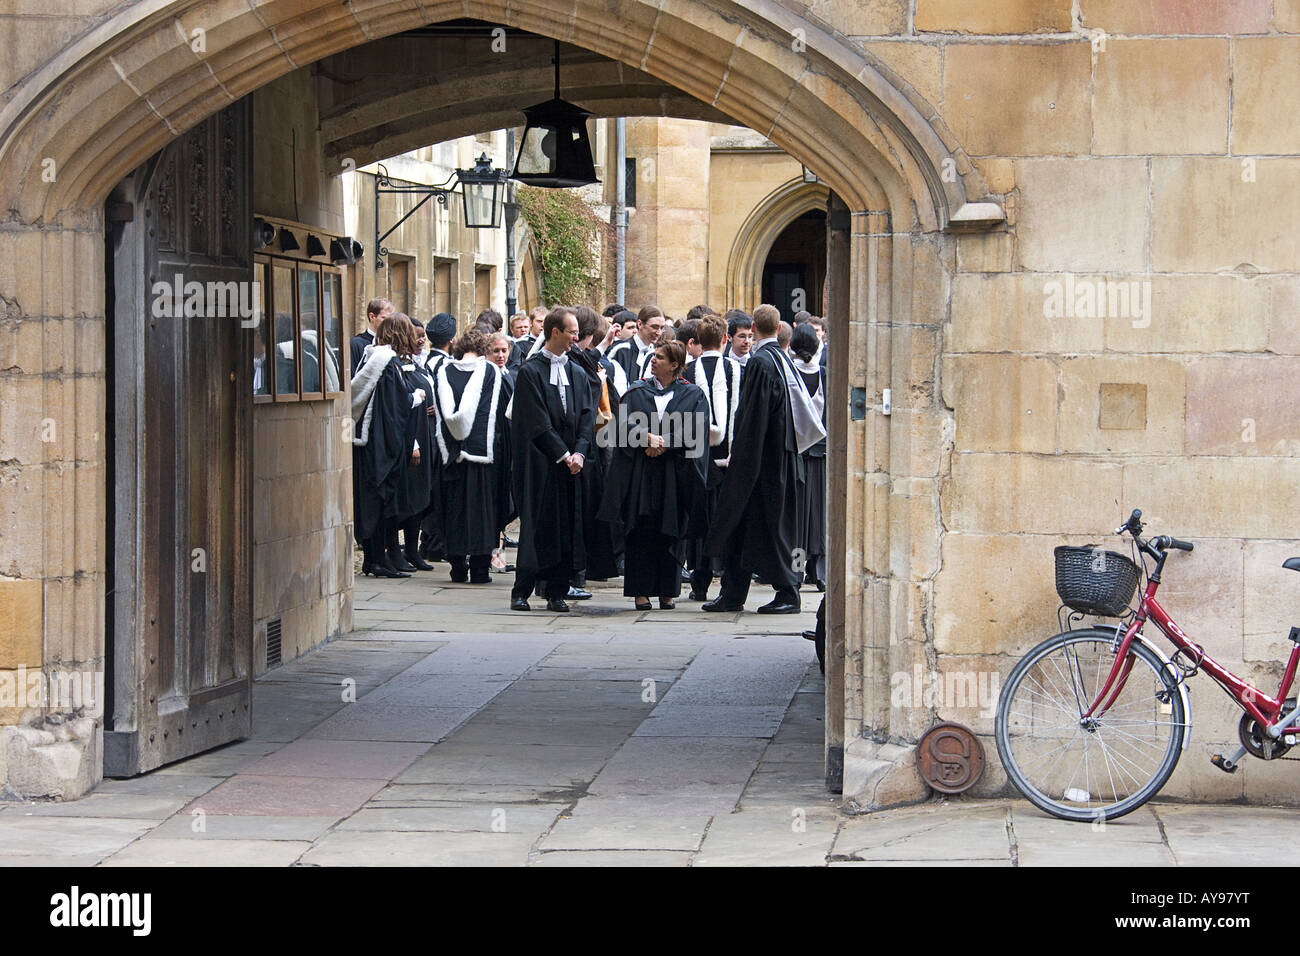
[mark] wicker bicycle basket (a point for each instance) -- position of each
(1094, 581)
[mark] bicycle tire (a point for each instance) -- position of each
(1040, 717)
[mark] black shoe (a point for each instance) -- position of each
(578, 594)
(779, 606)
(400, 563)
(387, 571)
(519, 604)
(642, 607)
(667, 604)
(810, 635)
(480, 579)
(557, 605)
(721, 606)
(417, 562)
(697, 595)
(511, 542)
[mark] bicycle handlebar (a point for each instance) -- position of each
(1161, 543)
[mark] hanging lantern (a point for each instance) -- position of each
(555, 152)
(481, 188)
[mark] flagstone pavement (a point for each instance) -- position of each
(449, 730)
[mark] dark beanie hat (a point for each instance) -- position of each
(441, 328)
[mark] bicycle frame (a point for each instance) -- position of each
(1264, 709)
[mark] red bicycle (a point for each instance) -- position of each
(1091, 722)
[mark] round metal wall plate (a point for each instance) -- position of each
(950, 758)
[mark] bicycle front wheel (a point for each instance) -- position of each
(1095, 768)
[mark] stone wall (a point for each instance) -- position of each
(1129, 341)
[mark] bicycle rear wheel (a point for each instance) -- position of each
(1103, 767)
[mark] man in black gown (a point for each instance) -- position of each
(719, 378)
(376, 311)
(440, 331)
(551, 420)
(756, 526)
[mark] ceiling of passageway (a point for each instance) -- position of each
(445, 81)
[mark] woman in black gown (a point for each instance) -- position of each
(471, 403)
(415, 490)
(655, 482)
(804, 348)
(383, 442)
(499, 349)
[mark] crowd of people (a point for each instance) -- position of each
(626, 444)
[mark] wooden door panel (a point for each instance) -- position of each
(182, 617)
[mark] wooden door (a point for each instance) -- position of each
(180, 609)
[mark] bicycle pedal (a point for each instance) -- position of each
(1224, 764)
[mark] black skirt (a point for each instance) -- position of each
(814, 505)
(469, 506)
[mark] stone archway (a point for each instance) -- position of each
(760, 230)
(114, 97)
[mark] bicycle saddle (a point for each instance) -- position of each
(1291, 564)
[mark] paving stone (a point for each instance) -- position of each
(926, 833)
(441, 794)
(183, 785)
(1209, 836)
(286, 796)
(627, 824)
(162, 851)
(339, 759)
(371, 848)
(390, 721)
(613, 858)
(708, 720)
(117, 805)
(505, 762)
(64, 841)
(220, 826)
(475, 818)
(770, 836)
(718, 767)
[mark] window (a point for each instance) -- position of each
(298, 338)
(399, 284)
(482, 289)
(629, 179)
(442, 284)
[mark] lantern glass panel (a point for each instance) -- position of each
(482, 205)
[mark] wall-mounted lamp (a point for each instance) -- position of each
(314, 246)
(288, 241)
(263, 233)
(345, 251)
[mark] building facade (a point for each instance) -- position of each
(1055, 236)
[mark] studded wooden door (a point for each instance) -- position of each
(180, 420)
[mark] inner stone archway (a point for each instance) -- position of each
(120, 93)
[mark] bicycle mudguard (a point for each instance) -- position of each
(1180, 684)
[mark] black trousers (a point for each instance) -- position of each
(652, 568)
(735, 583)
(476, 566)
(552, 583)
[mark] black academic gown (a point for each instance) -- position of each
(813, 488)
(627, 354)
(378, 467)
(469, 489)
(357, 347)
(696, 557)
(664, 492)
(519, 352)
(415, 489)
(505, 498)
(598, 536)
(547, 496)
(757, 520)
